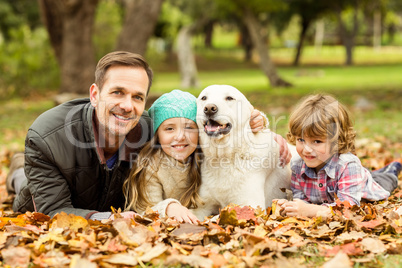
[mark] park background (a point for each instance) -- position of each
(274, 51)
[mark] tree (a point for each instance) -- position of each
(197, 14)
(70, 24)
(70, 27)
(309, 11)
(254, 14)
(14, 13)
(139, 24)
(347, 34)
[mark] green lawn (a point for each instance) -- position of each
(380, 82)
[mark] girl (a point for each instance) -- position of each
(322, 131)
(167, 175)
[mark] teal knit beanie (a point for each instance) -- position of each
(174, 104)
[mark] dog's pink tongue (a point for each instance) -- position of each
(211, 128)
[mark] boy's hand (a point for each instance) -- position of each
(181, 213)
(300, 208)
(280, 202)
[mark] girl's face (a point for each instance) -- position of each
(178, 137)
(315, 151)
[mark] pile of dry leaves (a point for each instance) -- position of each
(239, 237)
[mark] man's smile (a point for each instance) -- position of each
(122, 117)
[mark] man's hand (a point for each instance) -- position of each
(257, 121)
(284, 153)
(181, 213)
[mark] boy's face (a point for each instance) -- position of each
(315, 151)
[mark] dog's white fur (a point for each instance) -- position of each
(240, 167)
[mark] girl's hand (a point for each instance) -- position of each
(300, 208)
(181, 213)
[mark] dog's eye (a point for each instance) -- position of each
(204, 98)
(228, 98)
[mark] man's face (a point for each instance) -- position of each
(121, 101)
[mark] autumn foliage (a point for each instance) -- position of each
(239, 236)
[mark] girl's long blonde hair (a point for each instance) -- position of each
(134, 188)
(323, 116)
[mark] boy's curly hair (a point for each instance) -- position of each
(323, 116)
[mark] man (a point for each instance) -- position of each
(78, 154)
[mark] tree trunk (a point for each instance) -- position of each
(246, 42)
(267, 66)
(377, 30)
(348, 37)
(70, 27)
(319, 35)
(139, 24)
(305, 25)
(187, 65)
(208, 31)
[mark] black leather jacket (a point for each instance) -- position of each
(66, 170)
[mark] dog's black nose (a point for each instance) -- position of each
(210, 109)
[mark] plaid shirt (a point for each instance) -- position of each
(343, 175)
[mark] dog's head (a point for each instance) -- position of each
(221, 109)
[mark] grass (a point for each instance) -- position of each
(379, 82)
(16, 115)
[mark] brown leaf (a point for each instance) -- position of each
(341, 260)
(131, 235)
(371, 224)
(187, 228)
(350, 236)
(217, 259)
(352, 249)
(70, 221)
(78, 262)
(16, 256)
(191, 260)
(373, 245)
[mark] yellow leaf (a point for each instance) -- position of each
(179, 248)
(260, 231)
(70, 221)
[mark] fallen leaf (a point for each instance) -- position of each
(373, 245)
(70, 221)
(187, 228)
(78, 262)
(341, 260)
(16, 256)
(131, 235)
